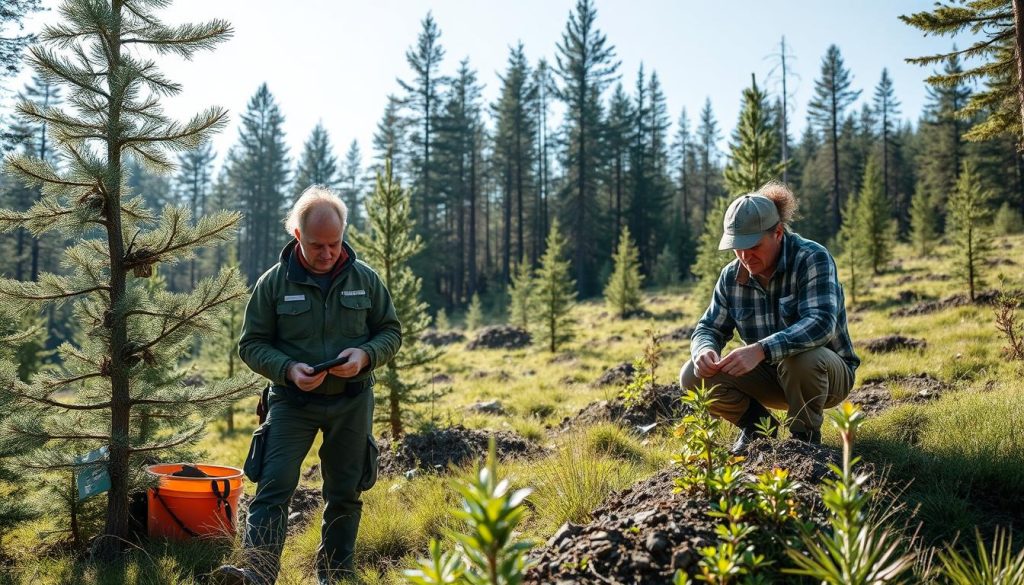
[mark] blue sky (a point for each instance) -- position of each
(337, 60)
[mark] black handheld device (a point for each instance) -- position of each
(329, 364)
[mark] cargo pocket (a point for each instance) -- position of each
(253, 467)
(370, 465)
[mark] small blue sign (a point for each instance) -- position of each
(92, 477)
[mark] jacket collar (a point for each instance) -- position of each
(297, 272)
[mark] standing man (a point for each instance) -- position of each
(317, 303)
(782, 293)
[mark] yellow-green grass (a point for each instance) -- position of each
(962, 452)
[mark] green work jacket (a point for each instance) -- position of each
(289, 319)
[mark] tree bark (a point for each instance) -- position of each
(1018, 45)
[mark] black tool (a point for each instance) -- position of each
(329, 364)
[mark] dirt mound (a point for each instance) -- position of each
(619, 375)
(435, 450)
(645, 533)
(876, 395)
(657, 404)
(440, 338)
(987, 297)
(891, 343)
(306, 502)
(500, 337)
(680, 334)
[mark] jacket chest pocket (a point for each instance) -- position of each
(293, 319)
(354, 310)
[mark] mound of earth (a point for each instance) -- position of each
(680, 334)
(435, 450)
(619, 375)
(658, 403)
(875, 395)
(646, 533)
(500, 337)
(440, 338)
(987, 297)
(891, 343)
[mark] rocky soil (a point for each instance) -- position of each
(875, 396)
(435, 450)
(659, 404)
(891, 343)
(500, 337)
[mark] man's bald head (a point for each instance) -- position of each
(317, 202)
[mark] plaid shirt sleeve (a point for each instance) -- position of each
(817, 309)
(716, 327)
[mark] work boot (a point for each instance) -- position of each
(811, 437)
(232, 575)
(748, 426)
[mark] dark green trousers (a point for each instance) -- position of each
(347, 463)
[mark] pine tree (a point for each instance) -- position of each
(555, 294)
(521, 296)
(876, 228)
(853, 241)
(475, 314)
(969, 218)
(754, 159)
(707, 155)
(710, 260)
(616, 144)
(11, 43)
(388, 244)
(259, 174)
(389, 140)
(622, 294)
(886, 108)
(132, 335)
(832, 95)
(997, 62)
(923, 234)
(586, 65)
(666, 268)
(318, 165)
(194, 179)
(351, 180)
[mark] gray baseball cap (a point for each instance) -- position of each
(747, 220)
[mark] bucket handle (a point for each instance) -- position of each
(186, 529)
(222, 499)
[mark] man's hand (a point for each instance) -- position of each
(743, 360)
(302, 376)
(706, 364)
(357, 360)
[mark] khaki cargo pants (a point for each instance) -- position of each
(804, 385)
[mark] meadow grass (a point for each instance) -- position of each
(958, 459)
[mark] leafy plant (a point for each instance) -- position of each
(1000, 567)
(487, 553)
(701, 454)
(645, 368)
(860, 550)
(1007, 323)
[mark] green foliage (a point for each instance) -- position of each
(488, 552)
(1007, 221)
(754, 159)
(521, 297)
(441, 322)
(875, 230)
(968, 226)
(645, 368)
(555, 292)
(998, 567)
(702, 454)
(388, 244)
(127, 394)
(990, 24)
(318, 164)
(666, 267)
(711, 260)
(923, 234)
(475, 314)
(860, 550)
(622, 293)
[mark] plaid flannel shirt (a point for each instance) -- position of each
(801, 308)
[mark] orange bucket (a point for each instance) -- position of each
(180, 508)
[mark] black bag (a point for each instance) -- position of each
(370, 466)
(253, 467)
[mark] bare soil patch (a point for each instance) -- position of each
(500, 337)
(437, 449)
(891, 343)
(441, 338)
(987, 297)
(660, 404)
(874, 396)
(646, 533)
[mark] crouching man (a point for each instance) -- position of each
(782, 294)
